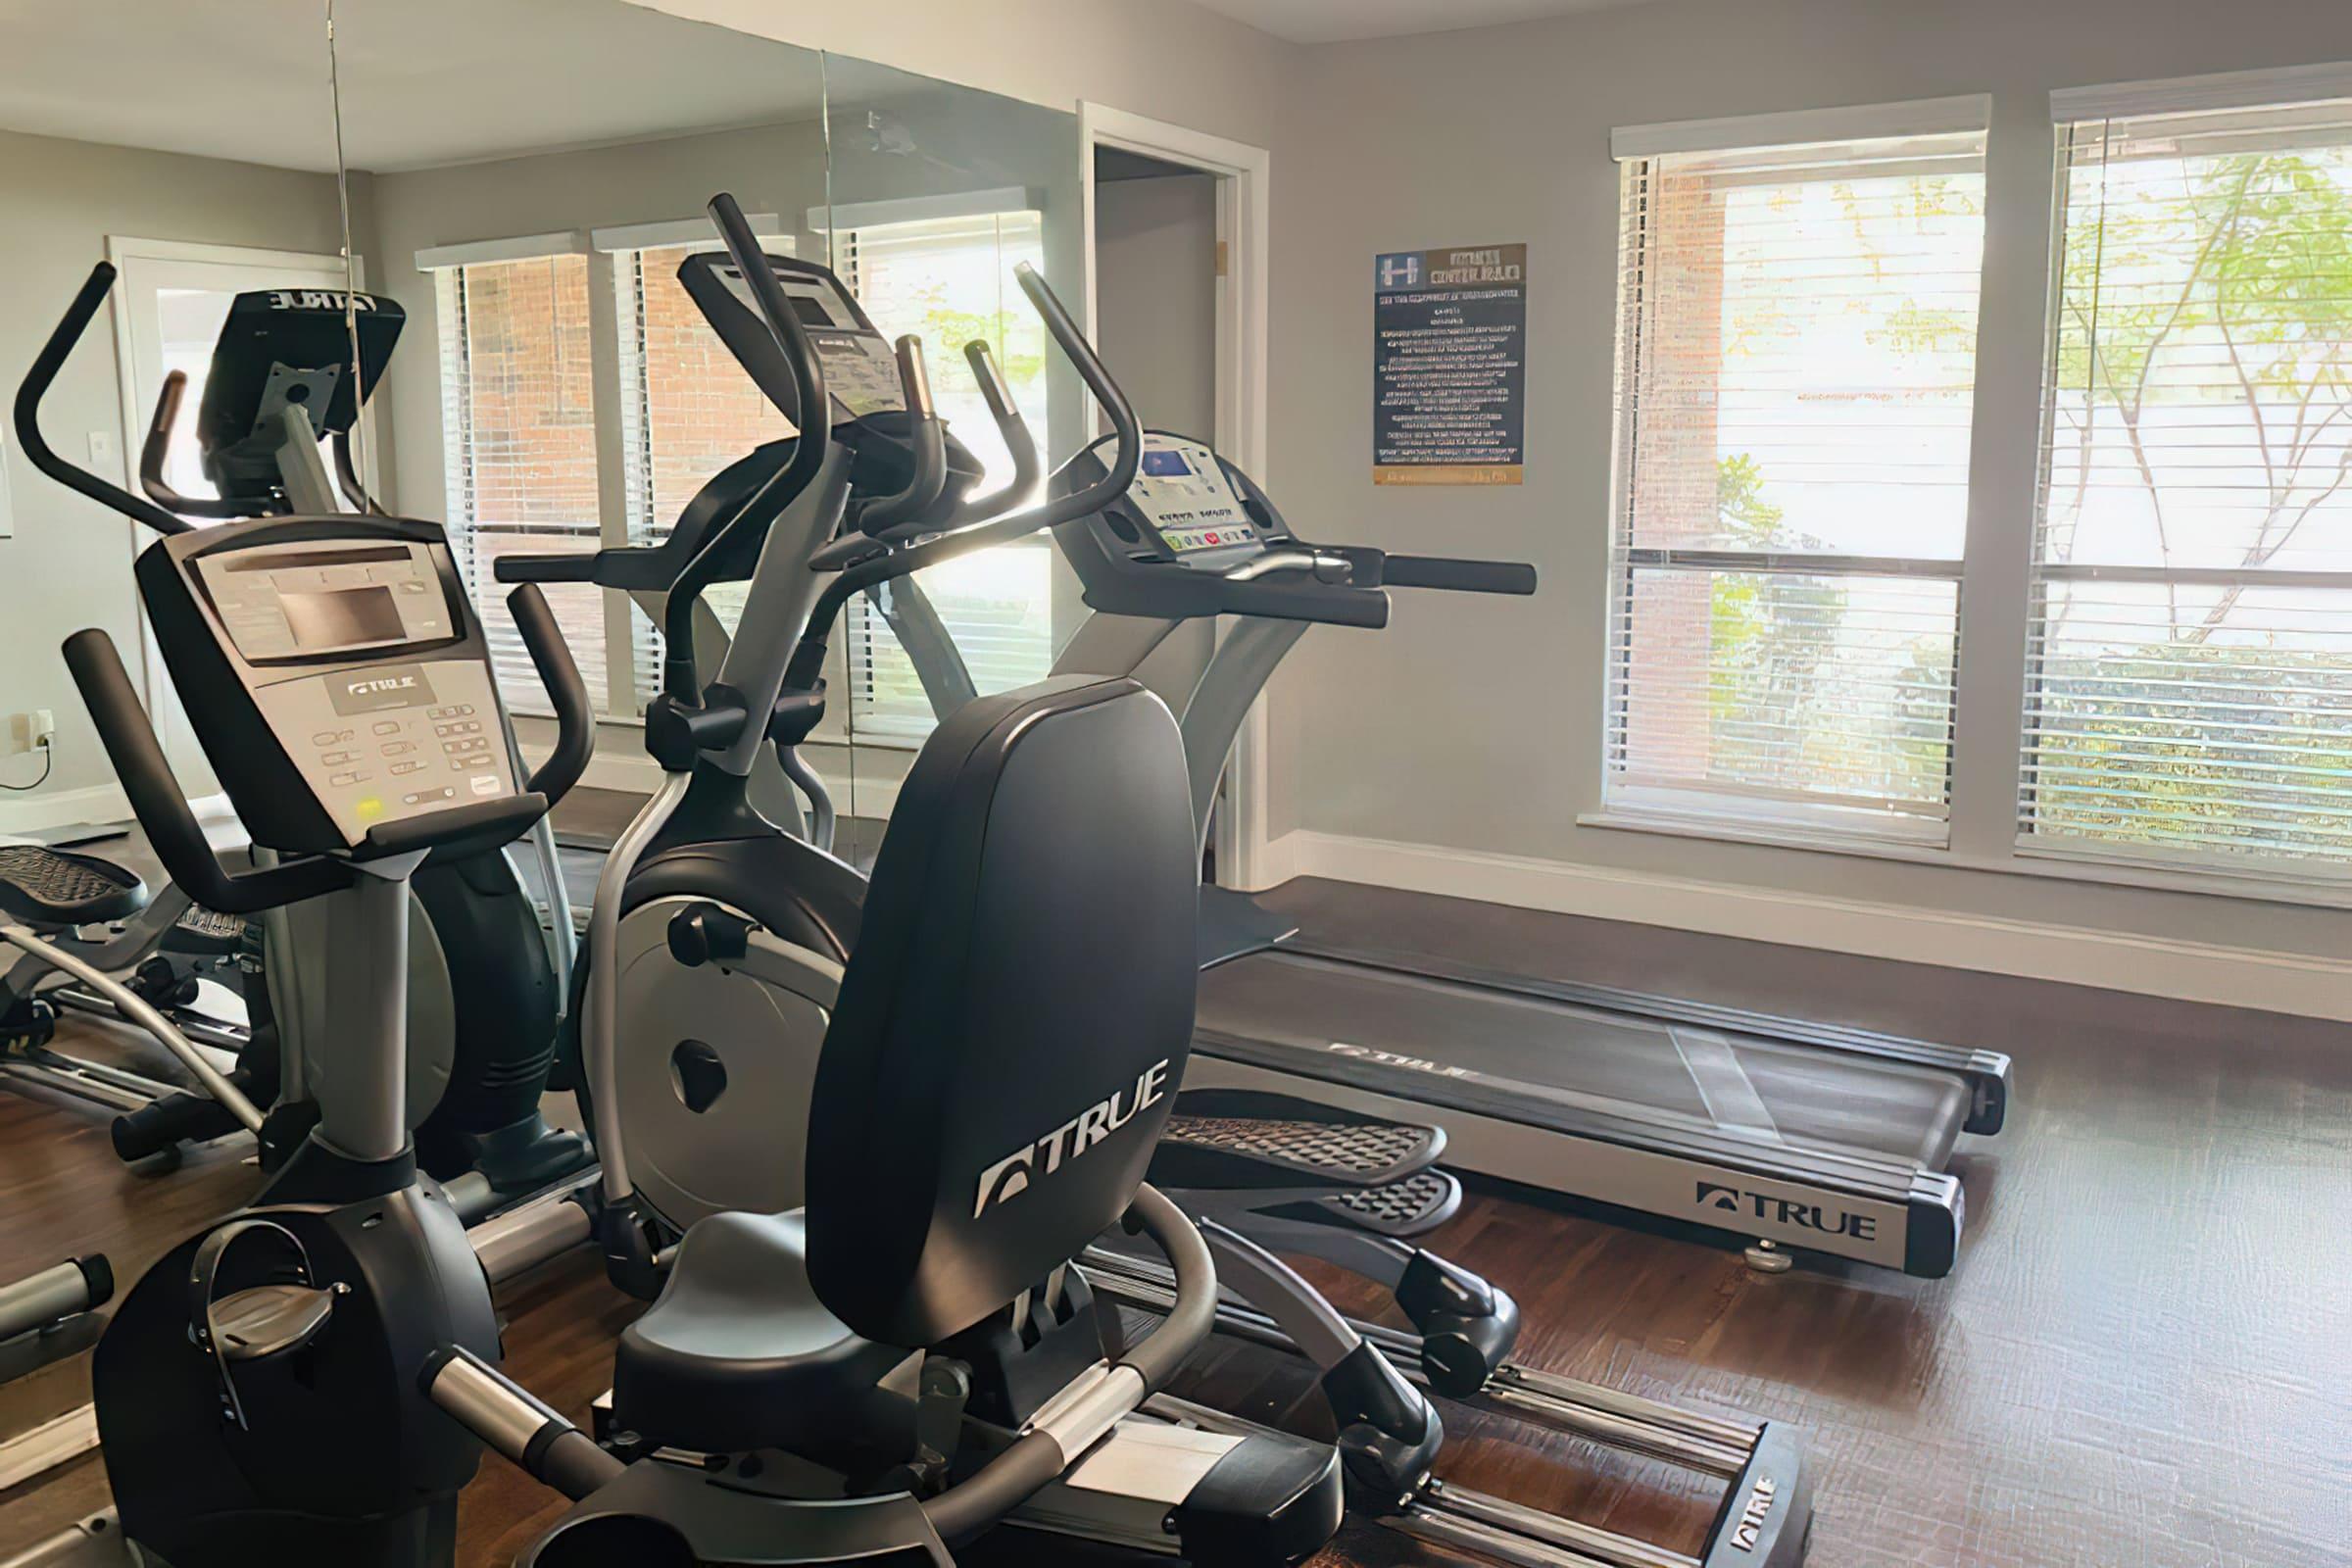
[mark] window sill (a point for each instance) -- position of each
(2024, 860)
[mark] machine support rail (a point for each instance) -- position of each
(1620, 1420)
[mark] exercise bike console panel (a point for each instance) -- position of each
(943, 1175)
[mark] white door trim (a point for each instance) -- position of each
(1243, 176)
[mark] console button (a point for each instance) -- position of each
(387, 726)
(344, 780)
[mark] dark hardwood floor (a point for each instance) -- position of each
(2143, 1357)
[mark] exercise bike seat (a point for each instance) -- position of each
(738, 1353)
(45, 888)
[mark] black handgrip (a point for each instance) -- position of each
(815, 418)
(163, 812)
(575, 714)
(158, 446)
(1457, 576)
(896, 516)
(1027, 465)
(35, 387)
(347, 478)
(1304, 597)
(545, 568)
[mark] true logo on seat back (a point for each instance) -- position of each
(1041, 1157)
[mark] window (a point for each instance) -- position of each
(687, 411)
(949, 281)
(1795, 373)
(2189, 672)
(518, 444)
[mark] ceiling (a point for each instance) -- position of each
(247, 80)
(1334, 20)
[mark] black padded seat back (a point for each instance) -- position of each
(1014, 1019)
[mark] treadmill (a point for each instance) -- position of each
(1791, 1136)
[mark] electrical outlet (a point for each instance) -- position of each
(102, 452)
(29, 732)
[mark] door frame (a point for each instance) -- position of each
(1243, 176)
(120, 251)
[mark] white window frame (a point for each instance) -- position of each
(1754, 818)
(2283, 879)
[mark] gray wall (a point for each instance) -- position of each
(1484, 731)
(1155, 296)
(1155, 323)
(67, 564)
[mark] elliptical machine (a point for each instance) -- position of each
(255, 1391)
(692, 1034)
(288, 374)
(914, 1360)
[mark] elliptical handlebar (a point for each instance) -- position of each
(815, 422)
(35, 387)
(889, 516)
(807, 660)
(576, 714)
(158, 446)
(163, 810)
(1027, 467)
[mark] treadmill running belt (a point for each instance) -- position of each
(1563, 1055)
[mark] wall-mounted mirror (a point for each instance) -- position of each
(193, 148)
(938, 193)
(525, 200)
(528, 201)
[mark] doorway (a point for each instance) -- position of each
(1176, 300)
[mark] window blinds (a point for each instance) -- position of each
(1795, 374)
(518, 438)
(2189, 665)
(950, 281)
(687, 410)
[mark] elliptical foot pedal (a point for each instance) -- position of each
(1419, 1203)
(206, 932)
(52, 889)
(1226, 1138)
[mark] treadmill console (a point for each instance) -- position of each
(1183, 493)
(342, 677)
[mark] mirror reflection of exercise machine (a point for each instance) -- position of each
(255, 1391)
(284, 390)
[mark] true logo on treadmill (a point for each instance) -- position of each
(1792, 1213)
(1041, 1157)
(1393, 1058)
(1749, 1533)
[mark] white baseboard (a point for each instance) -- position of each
(2186, 971)
(32, 814)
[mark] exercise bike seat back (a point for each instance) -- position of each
(1012, 1026)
